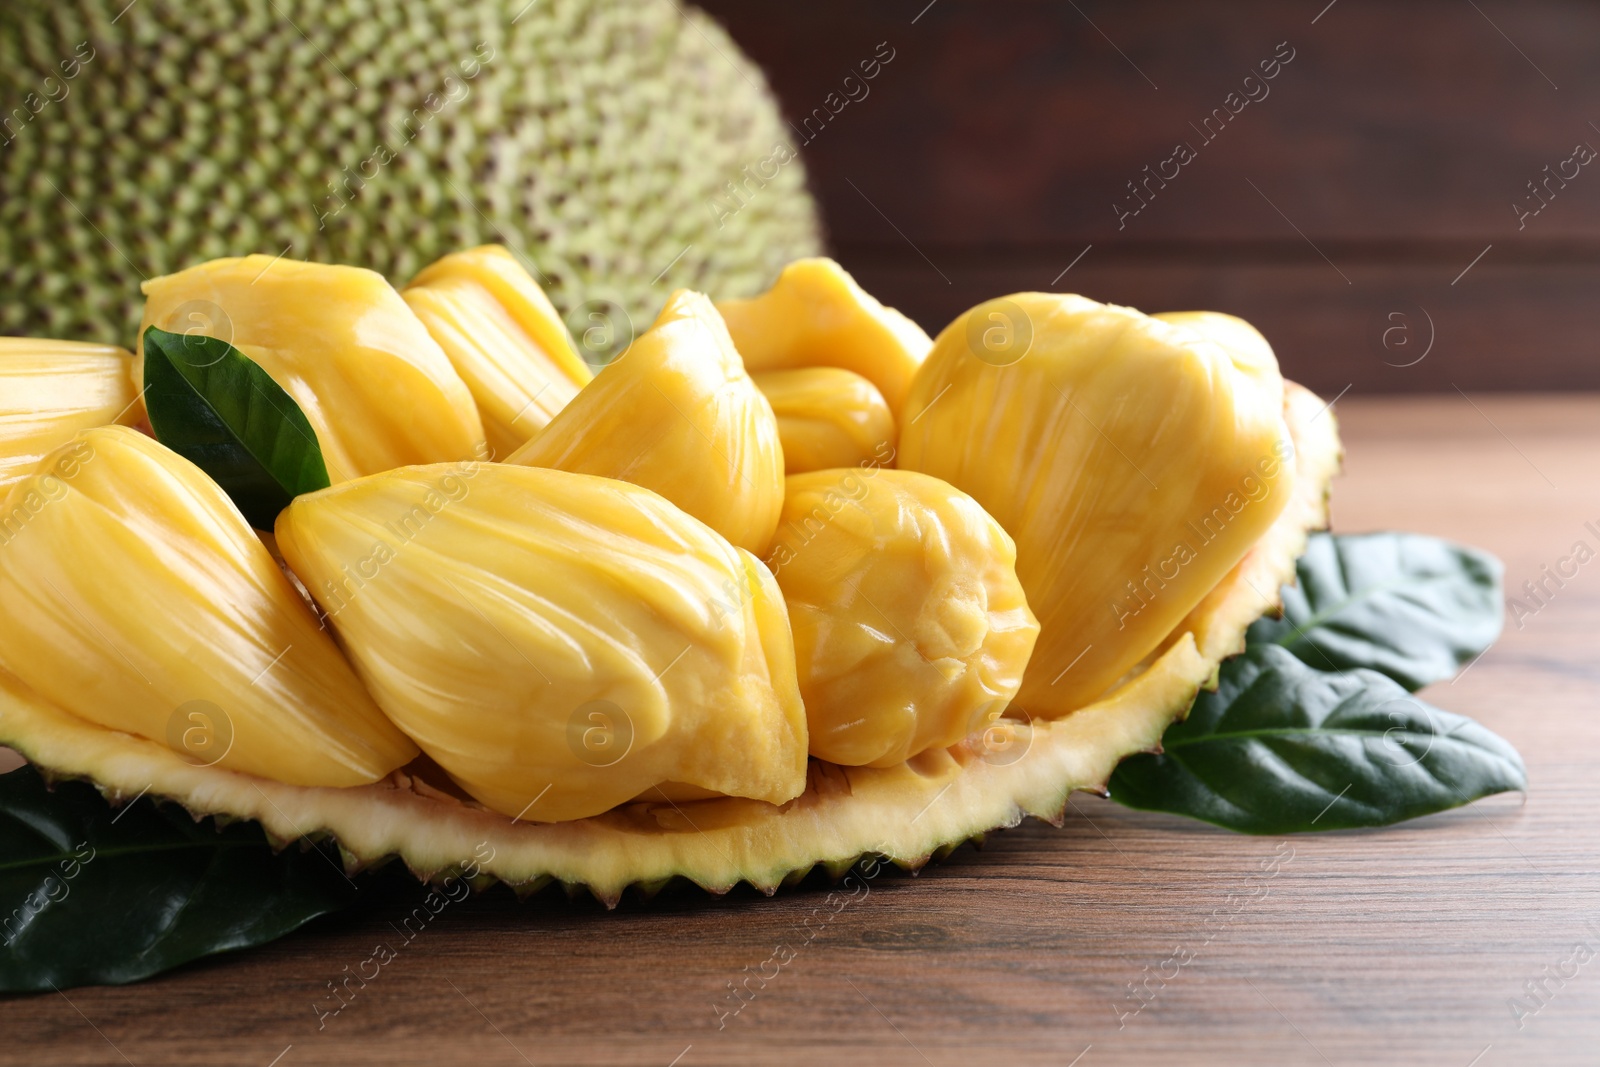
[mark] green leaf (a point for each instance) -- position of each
(1280, 748)
(89, 895)
(214, 406)
(1412, 607)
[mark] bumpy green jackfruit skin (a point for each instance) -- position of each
(595, 138)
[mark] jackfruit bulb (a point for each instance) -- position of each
(816, 315)
(504, 339)
(378, 390)
(1134, 460)
(678, 414)
(828, 417)
(911, 630)
(134, 595)
(49, 390)
(558, 643)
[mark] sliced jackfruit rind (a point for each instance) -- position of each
(906, 813)
(1221, 618)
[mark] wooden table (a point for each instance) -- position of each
(1398, 946)
(1002, 145)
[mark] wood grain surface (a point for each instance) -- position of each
(1367, 175)
(1397, 946)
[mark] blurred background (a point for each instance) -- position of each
(1398, 195)
(1337, 205)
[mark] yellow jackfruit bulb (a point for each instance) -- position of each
(504, 338)
(134, 595)
(815, 315)
(677, 413)
(1134, 460)
(50, 390)
(911, 629)
(379, 392)
(1250, 351)
(828, 418)
(558, 643)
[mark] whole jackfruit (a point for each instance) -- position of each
(596, 138)
(1134, 460)
(558, 643)
(134, 595)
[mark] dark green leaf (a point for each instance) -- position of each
(214, 406)
(1280, 748)
(89, 895)
(1412, 607)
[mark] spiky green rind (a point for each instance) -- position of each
(595, 139)
(907, 813)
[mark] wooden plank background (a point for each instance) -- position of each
(1396, 946)
(1336, 211)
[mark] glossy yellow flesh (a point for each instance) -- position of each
(910, 627)
(1134, 461)
(503, 337)
(1250, 351)
(817, 316)
(905, 812)
(558, 643)
(676, 413)
(828, 418)
(49, 390)
(134, 595)
(379, 391)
